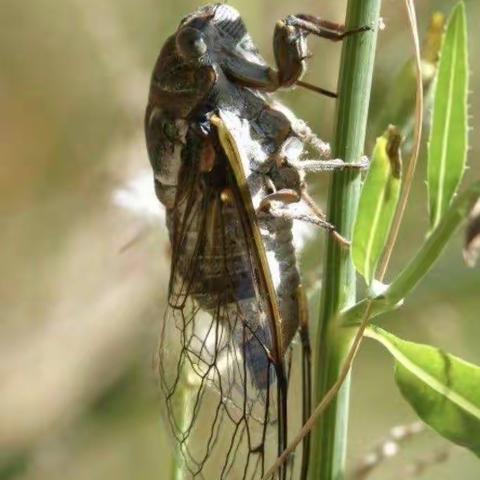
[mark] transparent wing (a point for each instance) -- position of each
(222, 387)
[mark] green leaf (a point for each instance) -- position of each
(399, 105)
(421, 263)
(443, 389)
(447, 147)
(377, 205)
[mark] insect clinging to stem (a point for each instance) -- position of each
(228, 163)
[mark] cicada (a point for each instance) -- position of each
(229, 166)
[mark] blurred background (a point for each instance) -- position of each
(84, 249)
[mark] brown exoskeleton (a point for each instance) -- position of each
(228, 166)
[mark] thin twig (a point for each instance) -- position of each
(416, 146)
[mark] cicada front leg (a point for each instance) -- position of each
(290, 47)
(290, 51)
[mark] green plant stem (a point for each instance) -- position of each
(332, 345)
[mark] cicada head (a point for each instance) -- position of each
(217, 27)
(190, 63)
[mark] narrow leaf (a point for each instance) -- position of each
(447, 147)
(421, 263)
(399, 105)
(377, 205)
(443, 389)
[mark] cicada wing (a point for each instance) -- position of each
(221, 381)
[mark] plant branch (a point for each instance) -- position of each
(333, 345)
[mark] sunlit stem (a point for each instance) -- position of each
(332, 345)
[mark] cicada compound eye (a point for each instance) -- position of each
(191, 43)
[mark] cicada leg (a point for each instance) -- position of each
(335, 164)
(299, 194)
(290, 47)
(290, 52)
(283, 430)
(322, 166)
(306, 375)
(323, 28)
(315, 216)
(285, 195)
